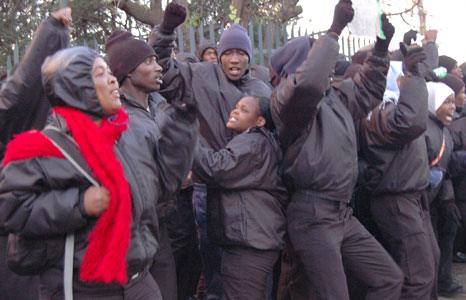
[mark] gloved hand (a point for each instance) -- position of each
(174, 15)
(381, 46)
(412, 57)
(342, 15)
(451, 212)
(410, 35)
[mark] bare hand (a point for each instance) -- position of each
(430, 36)
(63, 15)
(96, 200)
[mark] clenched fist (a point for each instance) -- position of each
(96, 200)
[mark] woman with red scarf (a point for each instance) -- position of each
(44, 197)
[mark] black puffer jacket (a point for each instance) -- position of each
(22, 102)
(246, 198)
(162, 142)
(316, 122)
(208, 85)
(392, 142)
(42, 197)
(435, 135)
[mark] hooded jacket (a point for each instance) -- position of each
(315, 122)
(42, 197)
(208, 85)
(22, 102)
(247, 197)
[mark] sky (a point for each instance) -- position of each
(445, 15)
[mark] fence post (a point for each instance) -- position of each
(192, 40)
(211, 33)
(180, 39)
(16, 54)
(269, 41)
(285, 34)
(277, 36)
(201, 33)
(9, 65)
(251, 37)
(260, 44)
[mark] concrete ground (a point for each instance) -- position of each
(460, 275)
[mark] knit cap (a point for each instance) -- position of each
(235, 37)
(438, 93)
(125, 53)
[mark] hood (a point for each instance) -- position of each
(438, 93)
(67, 80)
(392, 91)
(203, 47)
(286, 60)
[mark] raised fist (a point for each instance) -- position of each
(412, 57)
(63, 15)
(381, 45)
(342, 15)
(174, 15)
(409, 36)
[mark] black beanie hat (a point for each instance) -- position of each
(447, 62)
(125, 53)
(454, 82)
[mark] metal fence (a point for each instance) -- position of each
(265, 39)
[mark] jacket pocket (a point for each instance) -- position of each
(27, 256)
(234, 219)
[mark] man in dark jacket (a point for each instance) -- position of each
(316, 125)
(215, 88)
(393, 146)
(22, 107)
(135, 66)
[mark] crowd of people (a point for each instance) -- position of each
(146, 173)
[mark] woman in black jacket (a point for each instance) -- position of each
(248, 200)
(43, 196)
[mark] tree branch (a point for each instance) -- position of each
(150, 16)
(415, 3)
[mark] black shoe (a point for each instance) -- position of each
(459, 257)
(451, 291)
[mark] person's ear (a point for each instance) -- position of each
(260, 122)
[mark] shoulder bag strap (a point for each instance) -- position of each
(62, 142)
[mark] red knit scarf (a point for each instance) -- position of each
(105, 257)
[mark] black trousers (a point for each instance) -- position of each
(445, 231)
(185, 246)
(244, 272)
(405, 223)
(163, 268)
(328, 239)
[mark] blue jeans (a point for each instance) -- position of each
(210, 253)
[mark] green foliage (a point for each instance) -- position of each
(234, 16)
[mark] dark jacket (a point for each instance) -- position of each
(162, 141)
(42, 197)
(208, 85)
(457, 166)
(435, 135)
(247, 197)
(22, 102)
(316, 122)
(392, 142)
